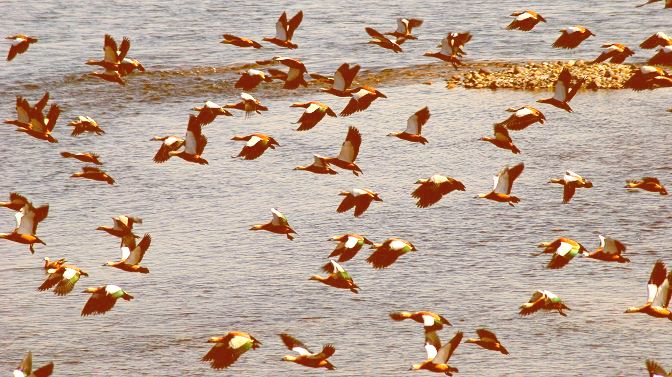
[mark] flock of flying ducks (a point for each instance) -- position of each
(62, 277)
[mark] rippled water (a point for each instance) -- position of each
(210, 275)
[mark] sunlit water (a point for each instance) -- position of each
(210, 275)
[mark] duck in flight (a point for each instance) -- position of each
(543, 300)
(503, 182)
(338, 277)
(572, 37)
(658, 293)
(20, 44)
(319, 166)
(433, 189)
(405, 28)
(256, 145)
(437, 355)
(132, 254)
(651, 184)
(284, 30)
(564, 90)
(83, 124)
(359, 199)
(209, 112)
(348, 246)
(563, 250)
(228, 348)
(525, 20)
(278, 225)
(112, 58)
(93, 173)
(610, 250)
(430, 320)
(25, 369)
(388, 252)
(103, 299)
(571, 181)
(64, 278)
(349, 151)
(377, 38)
(522, 118)
(249, 105)
(251, 78)
(314, 113)
(306, 357)
(87, 157)
(501, 139)
(194, 144)
(488, 340)
(231, 39)
(617, 52)
(414, 127)
(342, 80)
(361, 98)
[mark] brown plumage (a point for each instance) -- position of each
(525, 20)
(90, 158)
(564, 90)
(132, 254)
(377, 38)
(414, 125)
(20, 44)
(342, 80)
(63, 277)
(338, 277)
(229, 348)
(430, 320)
(360, 199)
(93, 173)
(251, 78)
(239, 41)
(103, 299)
(522, 118)
(249, 105)
(315, 112)
(503, 183)
(388, 252)
(349, 151)
(349, 245)
(405, 28)
(432, 189)
(169, 144)
(617, 52)
(488, 340)
(278, 225)
(610, 250)
(294, 76)
(452, 48)
(306, 357)
(16, 201)
(501, 139)
(256, 145)
(40, 127)
(658, 39)
(648, 77)
(284, 30)
(572, 37)
(571, 181)
(543, 300)
(651, 184)
(209, 112)
(319, 166)
(194, 144)
(83, 124)
(361, 99)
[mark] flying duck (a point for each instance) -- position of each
(169, 144)
(251, 78)
(647, 184)
(27, 219)
(610, 250)
(414, 127)
(26, 239)
(349, 151)
(109, 74)
(430, 320)
(662, 57)
(388, 252)
(314, 113)
(522, 118)
(377, 38)
(20, 43)
(543, 300)
(284, 30)
(432, 189)
(658, 39)
(668, 3)
(112, 58)
(256, 145)
(103, 299)
(278, 225)
(501, 191)
(128, 65)
(16, 202)
(564, 91)
(658, 293)
(572, 37)
(501, 139)
(348, 246)
(294, 77)
(525, 20)
(563, 250)
(655, 370)
(64, 278)
(131, 255)
(405, 28)
(488, 340)
(194, 143)
(90, 158)
(55, 264)
(231, 39)
(361, 99)
(306, 357)
(123, 226)
(24, 111)
(340, 84)
(248, 104)
(338, 277)
(319, 166)
(83, 124)
(25, 369)
(360, 199)
(571, 181)
(209, 111)
(617, 52)
(451, 48)
(648, 77)
(437, 356)
(94, 173)
(229, 348)
(40, 127)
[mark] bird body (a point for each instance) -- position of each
(432, 189)
(503, 183)
(349, 245)
(388, 252)
(543, 300)
(228, 348)
(284, 30)
(570, 182)
(572, 37)
(338, 277)
(525, 20)
(360, 199)
(564, 90)
(93, 173)
(658, 294)
(306, 357)
(278, 225)
(103, 299)
(488, 340)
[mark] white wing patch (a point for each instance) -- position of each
(351, 242)
(524, 16)
(112, 289)
(427, 320)
(312, 108)
(253, 140)
(564, 248)
(648, 69)
(397, 245)
(431, 351)
(238, 341)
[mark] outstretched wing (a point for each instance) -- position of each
(350, 147)
(294, 344)
(417, 120)
(447, 350)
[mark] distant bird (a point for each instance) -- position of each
(488, 340)
(319, 166)
(338, 277)
(563, 250)
(610, 250)
(501, 139)
(522, 118)
(194, 144)
(349, 151)
(40, 127)
(662, 57)
(438, 356)
(306, 357)
(16, 202)
(525, 20)
(63, 278)
(256, 145)
(571, 181)
(543, 300)
(123, 226)
(658, 39)
(377, 38)
(103, 299)
(20, 44)
(169, 144)
(359, 199)
(361, 99)
(651, 184)
(349, 245)
(658, 293)
(284, 30)
(572, 37)
(209, 111)
(90, 158)
(430, 320)
(128, 65)
(405, 28)
(668, 3)
(25, 369)
(340, 84)
(93, 173)
(229, 348)
(251, 78)
(83, 124)
(294, 77)
(432, 189)
(451, 48)
(315, 112)
(564, 90)
(414, 127)
(655, 370)
(231, 39)
(388, 252)
(501, 191)
(278, 225)
(132, 254)
(248, 104)
(617, 52)
(648, 77)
